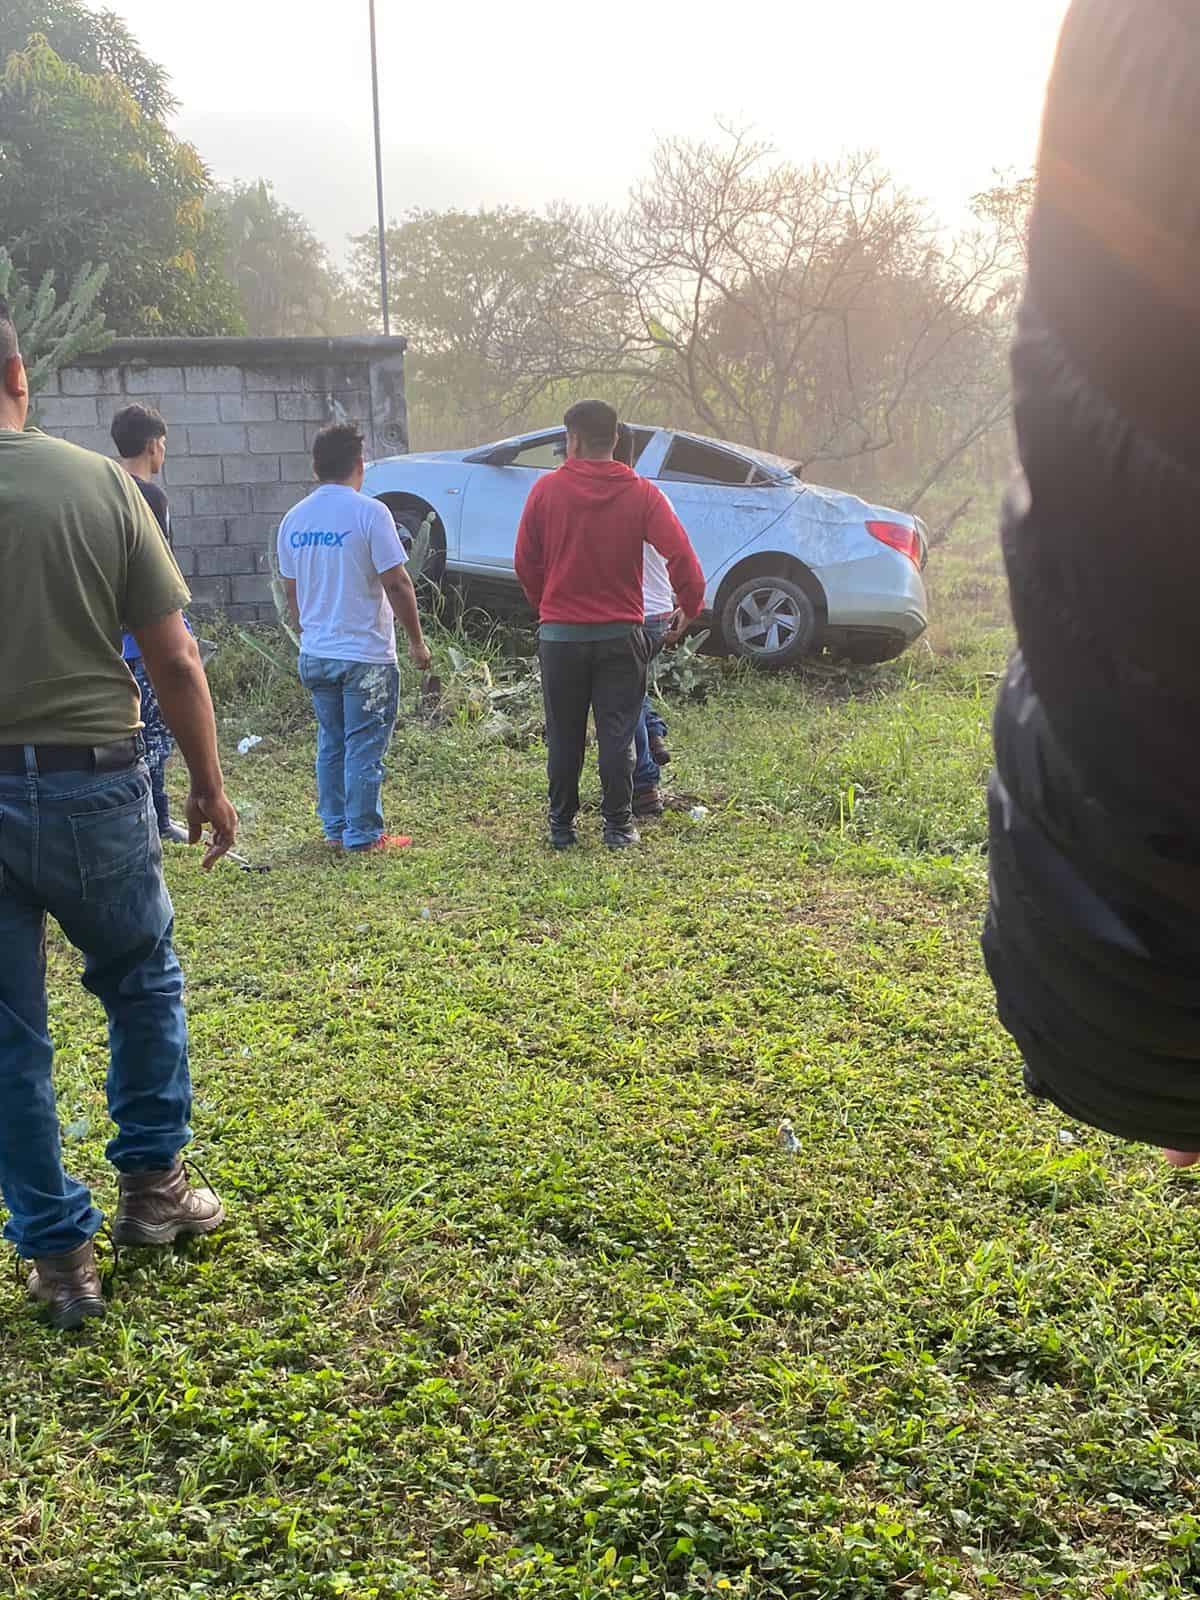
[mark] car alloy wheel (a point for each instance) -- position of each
(770, 620)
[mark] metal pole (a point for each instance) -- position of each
(383, 272)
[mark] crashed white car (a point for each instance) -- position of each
(789, 568)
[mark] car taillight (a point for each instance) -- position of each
(895, 534)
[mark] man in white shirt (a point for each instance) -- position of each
(343, 567)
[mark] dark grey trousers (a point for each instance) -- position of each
(606, 677)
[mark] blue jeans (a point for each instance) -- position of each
(84, 847)
(647, 773)
(160, 743)
(355, 703)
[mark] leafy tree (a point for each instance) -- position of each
(52, 333)
(87, 175)
(471, 290)
(97, 41)
(281, 271)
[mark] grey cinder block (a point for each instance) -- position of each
(225, 499)
(251, 469)
(191, 469)
(224, 438)
(200, 530)
(141, 381)
(248, 407)
(277, 437)
(214, 380)
(55, 412)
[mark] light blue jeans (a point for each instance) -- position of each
(84, 847)
(355, 703)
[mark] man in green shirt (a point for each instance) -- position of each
(81, 558)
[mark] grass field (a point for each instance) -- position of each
(520, 1295)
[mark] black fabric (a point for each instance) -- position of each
(606, 677)
(156, 499)
(1093, 932)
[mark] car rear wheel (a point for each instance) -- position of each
(770, 621)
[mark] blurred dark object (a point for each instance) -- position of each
(1093, 934)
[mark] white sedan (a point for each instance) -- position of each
(789, 568)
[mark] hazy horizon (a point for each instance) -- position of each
(478, 112)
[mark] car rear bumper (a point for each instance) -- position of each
(884, 593)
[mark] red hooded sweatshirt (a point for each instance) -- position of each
(580, 543)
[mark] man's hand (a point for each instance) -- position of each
(402, 598)
(676, 627)
(216, 810)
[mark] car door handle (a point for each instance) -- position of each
(747, 505)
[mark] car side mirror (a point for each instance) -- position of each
(503, 457)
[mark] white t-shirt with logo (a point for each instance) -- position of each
(335, 544)
(658, 597)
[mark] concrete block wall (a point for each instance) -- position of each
(241, 416)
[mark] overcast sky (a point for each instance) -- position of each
(487, 103)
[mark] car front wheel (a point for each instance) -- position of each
(770, 621)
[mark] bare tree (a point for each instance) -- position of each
(814, 312)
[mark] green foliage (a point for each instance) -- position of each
(97, 41)
(683, 671)
(52, 333)
(472, 292)
(285, 282)
(520, 1297)
(87, 175)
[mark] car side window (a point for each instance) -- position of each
(689, 461)
(544, 454)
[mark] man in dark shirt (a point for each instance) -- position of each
(580, 553)
(140, 435)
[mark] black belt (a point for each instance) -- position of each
(74, 757)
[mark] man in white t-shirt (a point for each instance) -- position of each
(342, 565)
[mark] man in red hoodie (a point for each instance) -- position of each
(579, 559)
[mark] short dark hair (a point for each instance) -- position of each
(135, 428)
(595, 422)
(9, 346)
(337, 450)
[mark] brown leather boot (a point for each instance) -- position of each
(648, 802)
(68, 1285)
(160, 1207)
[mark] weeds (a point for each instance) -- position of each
(522, 1296)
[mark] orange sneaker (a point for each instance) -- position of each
(388, 841)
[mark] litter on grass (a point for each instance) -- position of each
(787, 1138)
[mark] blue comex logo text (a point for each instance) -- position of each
(301, 541)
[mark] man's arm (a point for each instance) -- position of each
(293, 601)
(173, 662)
(402, 598)
(669, 537)
(529, 559)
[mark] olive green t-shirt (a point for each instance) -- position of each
(81, 558)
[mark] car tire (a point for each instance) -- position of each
(770, 621)
(408, 525)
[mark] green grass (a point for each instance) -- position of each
(520, 1295)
